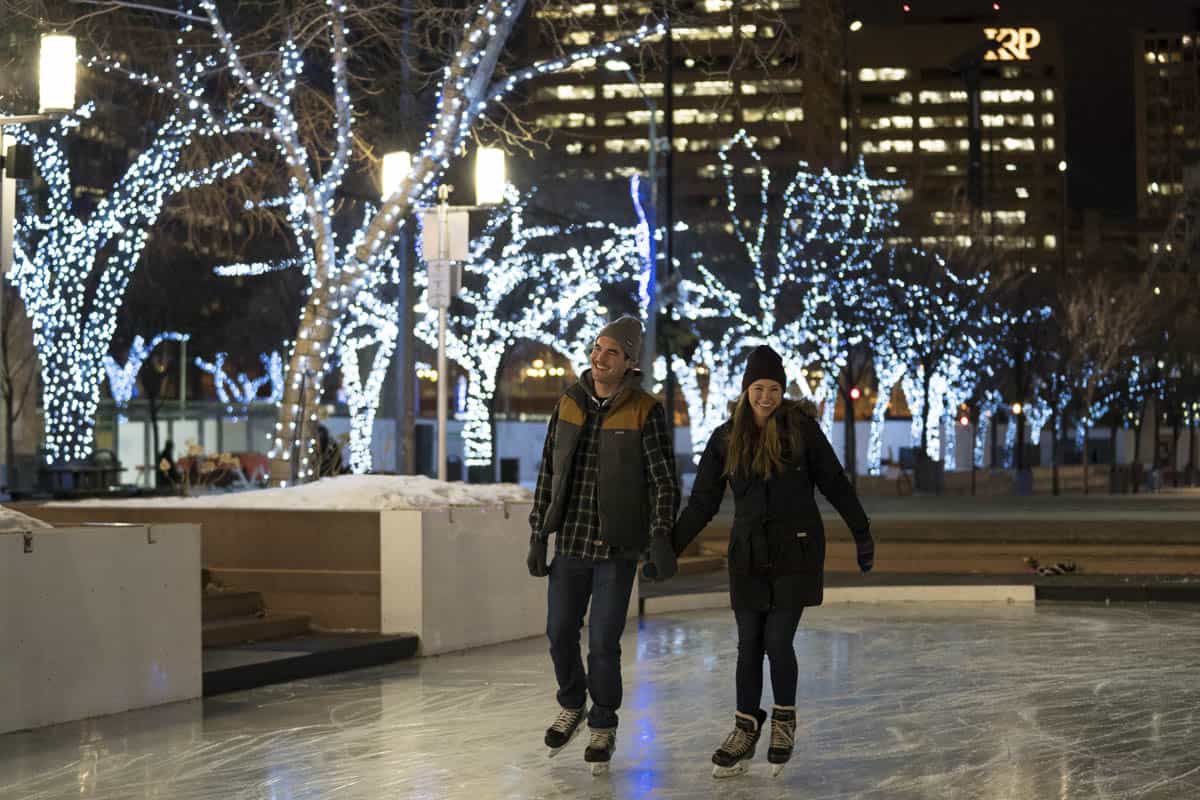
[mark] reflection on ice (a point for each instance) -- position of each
(902, 702)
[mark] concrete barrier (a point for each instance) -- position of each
(455, 577)
(97, 620)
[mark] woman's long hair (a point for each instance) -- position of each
(761, 452)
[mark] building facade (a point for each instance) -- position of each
(910, 120)
(1167, 97)
(770, 68)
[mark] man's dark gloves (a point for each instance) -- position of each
(661, 565)
(536, 560)
(865, 546)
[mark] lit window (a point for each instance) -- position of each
(1004, 217)
(582, 65)
(903, 99)
(1048, 120)
(1150, 58)
(768, 86)
(574, 148)
(891, 170)
(629, 91)
(717, 6)
(795, 114)
(888, 146)
(1153, 188)
(704, 89)
(931, 97)
(1010, 167)
(1050, 241)
(1048, 143)
(1007, 96)
(896, 194)
(565, 93)
(1022, 193)
(579, 37)
(1048, 95)
(934, 146)
(1019, 145)
(944, 122)
(868, 75)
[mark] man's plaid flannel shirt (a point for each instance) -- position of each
(579, 536)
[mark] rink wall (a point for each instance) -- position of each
(97, 620)
(455, 576)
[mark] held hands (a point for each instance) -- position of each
(536, 560)
(866, 551)
(661, 564)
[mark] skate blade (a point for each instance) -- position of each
(739, 768)
(600, 768)
(776, 769)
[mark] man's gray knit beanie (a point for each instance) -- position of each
(627, 331)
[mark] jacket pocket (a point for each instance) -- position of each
(797, 550)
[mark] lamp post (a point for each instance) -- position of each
(445, 233)
(56, 97)
(650, 339)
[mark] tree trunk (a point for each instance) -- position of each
(1137, 452)
(1113, 438)
(1087, 488)
(1054, 488)
(926, 379)
(849, 435)
(1019, 446)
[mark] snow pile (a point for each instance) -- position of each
(345, 493)
(16, 521)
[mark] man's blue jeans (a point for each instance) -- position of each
(573, 581)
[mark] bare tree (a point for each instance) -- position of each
(1101, 315)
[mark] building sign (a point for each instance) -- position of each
(1015, 43)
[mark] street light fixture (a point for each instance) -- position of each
(445, 236)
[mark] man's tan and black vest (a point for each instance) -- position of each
(622, 491)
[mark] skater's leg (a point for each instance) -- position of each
(567, 602)
(751, 627)
(779, 635)
(612, 582)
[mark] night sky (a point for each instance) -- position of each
(1098, 53)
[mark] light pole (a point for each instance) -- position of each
(650, 338)
(56, 97)
(446, 233)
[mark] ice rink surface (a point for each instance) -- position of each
(973, 702)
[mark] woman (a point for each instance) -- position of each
(771, 454)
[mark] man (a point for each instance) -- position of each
(607, 489)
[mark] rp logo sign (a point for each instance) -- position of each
(1015, 43)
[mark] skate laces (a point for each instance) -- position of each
(567, 719)
(601, 739)
(783, 734)
(738, 742)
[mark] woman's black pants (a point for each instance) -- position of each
(768, 633)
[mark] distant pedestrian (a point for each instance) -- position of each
(166, 473)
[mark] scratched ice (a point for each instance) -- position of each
(896, 702)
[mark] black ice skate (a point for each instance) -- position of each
(733, 757)
(783, 737)
(569, 723)
(600, 749)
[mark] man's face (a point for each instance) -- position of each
(609, 363)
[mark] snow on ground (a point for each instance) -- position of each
(344, 493)
(16, 521)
